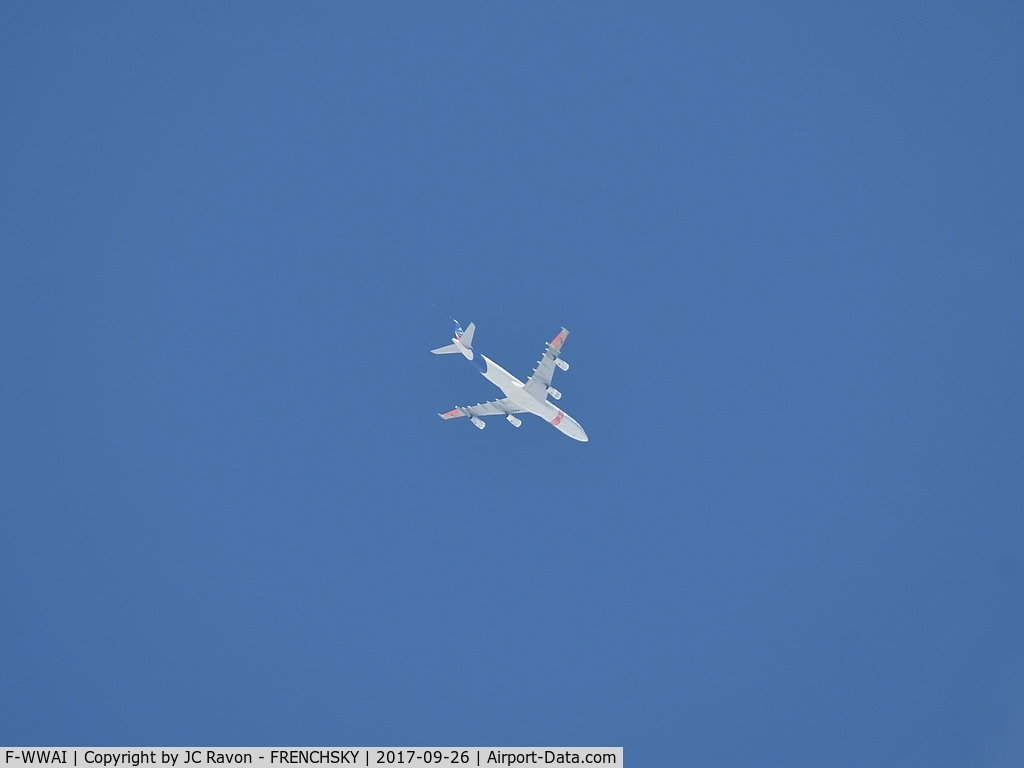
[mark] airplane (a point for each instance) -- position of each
(531, 397)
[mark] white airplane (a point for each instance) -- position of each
(531, 397)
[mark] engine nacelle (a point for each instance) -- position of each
(478, 423)
(562, 365)
(554, 393)
(515, 422)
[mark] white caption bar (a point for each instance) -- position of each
(176, 757)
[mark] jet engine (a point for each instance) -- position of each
(562, 365)
(478, 423)
(515, 422)
(554, 393)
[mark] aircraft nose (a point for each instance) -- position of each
(578, 432)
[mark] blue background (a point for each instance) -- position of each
(787, 242)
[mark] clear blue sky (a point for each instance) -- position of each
(788, 243)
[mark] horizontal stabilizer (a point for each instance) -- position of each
(451, 349)
(467, 336)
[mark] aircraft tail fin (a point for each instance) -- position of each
(464, 337)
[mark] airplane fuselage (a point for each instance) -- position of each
(515, 391)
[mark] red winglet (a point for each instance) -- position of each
(559, 340)
(454, 413)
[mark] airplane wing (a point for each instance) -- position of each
(540, 379)
(493, 408)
